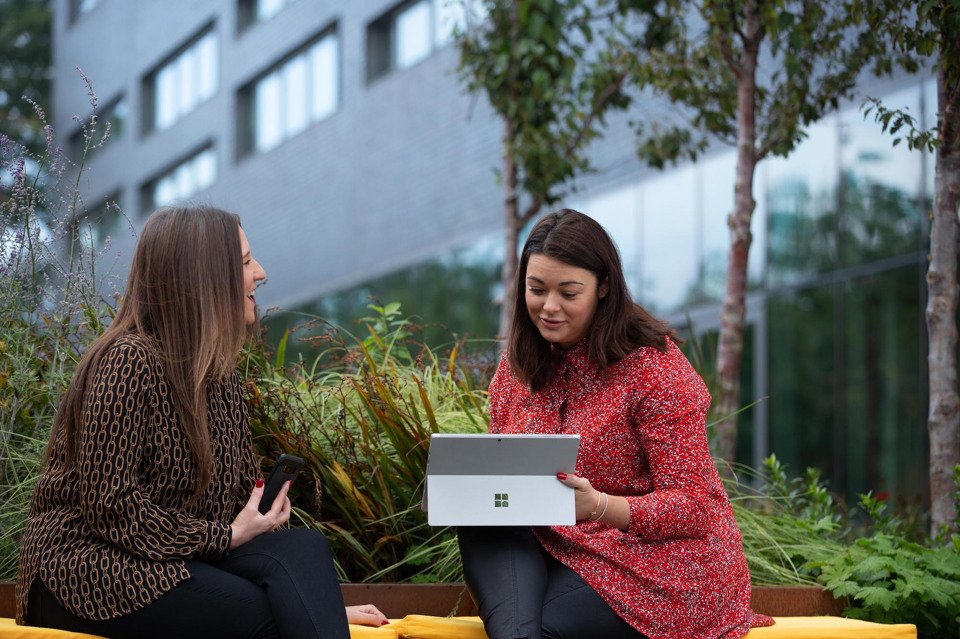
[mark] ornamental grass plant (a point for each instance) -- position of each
(362, 422)
(50, 309)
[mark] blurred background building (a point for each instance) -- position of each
(340, 133)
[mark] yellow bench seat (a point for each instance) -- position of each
(425, 627)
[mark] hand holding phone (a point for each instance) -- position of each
(287, 469)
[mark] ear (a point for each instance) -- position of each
(604, 289)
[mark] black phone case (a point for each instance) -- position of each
(287, 469)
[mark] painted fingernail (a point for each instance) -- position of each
(561, 476)
(384, 622)
(260, 483)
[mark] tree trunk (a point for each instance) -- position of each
(943, 421)
(730, 349)
(511, 220)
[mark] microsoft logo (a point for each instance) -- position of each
(501, 500)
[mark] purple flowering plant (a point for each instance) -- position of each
(51, 305)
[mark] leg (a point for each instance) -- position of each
(507, 577)
(295, 570)
(574, 610)
(212, 603)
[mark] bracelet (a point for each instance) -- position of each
(606, 503)
(592, 516)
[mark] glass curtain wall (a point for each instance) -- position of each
(836, 377)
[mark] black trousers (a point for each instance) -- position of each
(280, 584)
(524, 593)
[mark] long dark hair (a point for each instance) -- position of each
(184, 297)
(619, 325)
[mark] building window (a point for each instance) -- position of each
(250, 12)
(80, 7)
(92, 138)
(411, 31)
(182, 82)
(302, 89)
(99, 223)
(184, 180)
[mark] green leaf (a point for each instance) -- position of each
(876, 596)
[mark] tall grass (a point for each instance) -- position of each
(363, 424)
(50, 309)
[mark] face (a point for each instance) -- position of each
(253, 274)
(561, 299)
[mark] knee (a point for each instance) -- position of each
(298, 543)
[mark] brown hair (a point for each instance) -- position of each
(619, 325)
(185, 297)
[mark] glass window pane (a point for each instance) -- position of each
(187, 76)
(184, 179)
(670, 264)
(207, 56)
(714, 202)
(413, 34)
(165, 103)
(801, 202)
(879, 216)
(269, 8)
(205, 167)
(296, 114)
(268, 113)
(165, 192)
(325, 85)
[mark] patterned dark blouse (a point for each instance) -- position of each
(678, 571)
(110, 535)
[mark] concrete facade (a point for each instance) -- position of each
(403, 170)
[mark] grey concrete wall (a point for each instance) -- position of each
(402, 171)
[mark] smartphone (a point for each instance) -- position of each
(287, 469)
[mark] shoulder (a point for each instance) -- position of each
(654, 369)
(130, 354)
(505, 386)
(504, 377)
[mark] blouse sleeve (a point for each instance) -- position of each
(500, 394)
(671, 423)
(117, 414)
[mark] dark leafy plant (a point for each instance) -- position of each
(891, 580)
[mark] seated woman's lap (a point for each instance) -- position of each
(574, 610)
(212, 603)
(278, 584)
(524, 592)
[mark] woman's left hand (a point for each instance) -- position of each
(586, 497)
(366, 615)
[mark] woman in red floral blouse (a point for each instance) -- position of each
(656, 550)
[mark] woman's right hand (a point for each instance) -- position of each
(250, 523)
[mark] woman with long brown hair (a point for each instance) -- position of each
(656, 551)
(145, 521)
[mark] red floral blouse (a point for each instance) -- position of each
(678, 571)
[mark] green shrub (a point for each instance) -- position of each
(884, 576)
(891, 580)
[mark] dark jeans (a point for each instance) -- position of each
(522, 592)
(281, 584)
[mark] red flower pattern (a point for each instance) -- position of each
(678, 571)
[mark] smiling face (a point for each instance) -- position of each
(253, 274)
(561, 299)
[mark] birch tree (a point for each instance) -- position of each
(753, 74)
(534, 62)
(916, 32)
